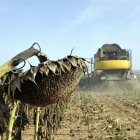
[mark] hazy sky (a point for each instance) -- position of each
(60, 25)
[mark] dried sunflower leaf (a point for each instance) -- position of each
(42, 57)
(16, 82)
(41, 72)
(13, 88)
(24, 74)
(59, 68)
(80, 63)
(53, 67)
(69, 56)
(46, 63)
(62, 67)
(66, 64)
(9, 91)
(84, 66)
(45, 69)
(34, 70)
(73, 61)
(21, 79)
(25, 77)
(30, 75)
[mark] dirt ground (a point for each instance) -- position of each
(107, 111)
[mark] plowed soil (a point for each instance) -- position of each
(108, 110)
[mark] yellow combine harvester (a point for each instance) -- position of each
(112, 63)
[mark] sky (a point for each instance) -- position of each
(60, 25)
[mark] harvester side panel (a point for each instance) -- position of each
(112, 64)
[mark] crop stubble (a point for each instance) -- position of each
(102, 115)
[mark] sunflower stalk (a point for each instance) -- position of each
(45, 134)
(52, 133)
(37, 122)
(11, 121)
(5, 68)
(4, 134)
(27, 125)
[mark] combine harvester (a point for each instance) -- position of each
(111, 63)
